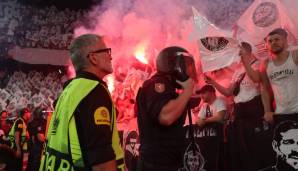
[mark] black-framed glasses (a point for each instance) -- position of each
(107, 50)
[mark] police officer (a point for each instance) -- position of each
(19, 135)
(162, 111)
(36, 129)
(82, 134)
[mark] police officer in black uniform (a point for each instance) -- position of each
(36, 128)
(161, 111)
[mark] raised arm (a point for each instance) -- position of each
(174, 108)
(246, 59)
(227, 91)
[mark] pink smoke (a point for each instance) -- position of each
(145, 25)
(139, 29)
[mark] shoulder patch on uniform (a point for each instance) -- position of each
(20, 125)
(159, 87)
(102, 116)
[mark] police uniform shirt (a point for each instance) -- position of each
(36, 127)
(161, 145)
(95, 137)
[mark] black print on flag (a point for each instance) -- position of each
(193, 160)
(214, 43)
(131, 152)
(265, 14)
(285, 145)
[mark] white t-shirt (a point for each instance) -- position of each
(248, 89)
(218, 105)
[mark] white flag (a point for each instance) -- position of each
(204, 28)
(218, 48)
(261, 18)
(292, 12)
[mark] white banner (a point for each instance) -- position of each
(261, 18)
(40, 56)
(217, 47)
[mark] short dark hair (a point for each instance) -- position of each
(279, 31)
(206, 88)
(246, 46)
(283, 127)
(23, 111)
(38, 112)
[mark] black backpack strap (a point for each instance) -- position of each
(191, 131)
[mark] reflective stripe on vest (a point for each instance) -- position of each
(63, 146)
(12, 131)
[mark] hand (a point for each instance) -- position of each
(187, 85)
(201, 122)
(268, 117)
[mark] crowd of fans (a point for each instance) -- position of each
(36, 91)
(32, 89)
(31, 27)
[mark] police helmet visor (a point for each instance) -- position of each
(189, 65)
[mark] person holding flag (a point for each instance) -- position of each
(248, 121)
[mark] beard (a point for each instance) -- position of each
(277, 50)
(292, 162)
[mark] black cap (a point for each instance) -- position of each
(206, 88)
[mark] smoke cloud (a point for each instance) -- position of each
(154, 25)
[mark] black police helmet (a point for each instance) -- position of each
(166, 59)
(173, 60)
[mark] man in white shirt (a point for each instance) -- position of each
(214, 108)
(210, 134)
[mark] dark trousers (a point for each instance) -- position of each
(20, 161)
(34, 158)
(250, 137)
(145, 166)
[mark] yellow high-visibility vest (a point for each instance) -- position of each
(62, 149)
(11, 134)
